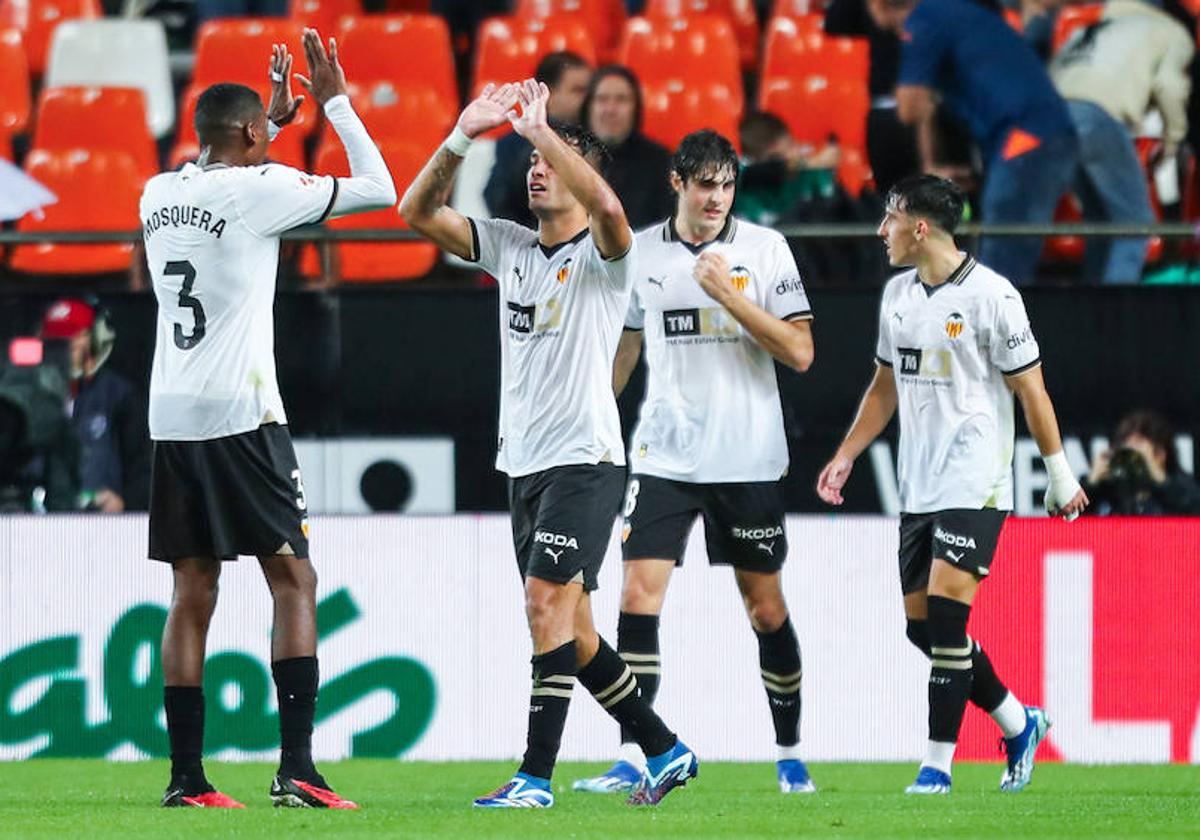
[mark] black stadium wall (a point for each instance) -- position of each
(367, 362)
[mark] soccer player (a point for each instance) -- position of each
(718, 300)
(564, 290)
(225, 479)
(954, 345)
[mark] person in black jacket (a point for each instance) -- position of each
(108, 415)
(637, 168)
(1140, 474)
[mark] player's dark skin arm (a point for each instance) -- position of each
(628, 351)
(791, 342)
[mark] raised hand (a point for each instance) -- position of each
(532, 96)
(325, 79)
(283, 106)
(489, 110)
(833, 478)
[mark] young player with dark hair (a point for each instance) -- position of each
(225, 479)
(564, 289)
(718, 301)
(954, 345)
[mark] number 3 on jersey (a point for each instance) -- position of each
(184, 269)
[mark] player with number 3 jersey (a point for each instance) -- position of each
(225, 481)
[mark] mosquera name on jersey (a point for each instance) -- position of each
(212, 244)
(561, 311)
(950, 347)
(711, 412)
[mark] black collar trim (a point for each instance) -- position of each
(550, 250)
(956, 277)
(728, 232)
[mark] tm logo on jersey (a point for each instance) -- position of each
(934, 365)
(944, 536)
(714, 324)
(534, 318)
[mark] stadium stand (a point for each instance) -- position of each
(109, 119)
(37, 20)
(323, 15)
(1071, 18)
(14, 88)
(796, 48)
(78, 177)
(740, 14)
(287, 148)
(373, 261)
(604, 18)
(671, 110)
(117, 53)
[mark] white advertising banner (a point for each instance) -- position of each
(424, 652)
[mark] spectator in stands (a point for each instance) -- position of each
(992, 79)
(1111, 73)
(107, 413)
(780, 173)
(637, 170)
(1140, 474)
(567, 75)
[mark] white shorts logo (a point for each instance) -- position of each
(550, 538)
(757, 533)
(946, 537)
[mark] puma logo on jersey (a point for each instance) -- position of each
(957, 558)
(551, 538)
(517, 272)
(554, 555)
(899, 318)
(957, 540)
(656, 281)
(769, 548)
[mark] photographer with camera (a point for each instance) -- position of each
(1140, 474)
(108, 414)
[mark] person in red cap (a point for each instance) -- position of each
(107, 412)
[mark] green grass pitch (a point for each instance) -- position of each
(95, 799)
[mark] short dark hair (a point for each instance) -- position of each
(759, 131)
(603, 73)
(703, 152)
(936, 199)
(222, 107)
(553, 66)
(587, 144)
(1155, 428)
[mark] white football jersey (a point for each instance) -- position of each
(212, 244)
(561, 311)
(950, 347)
(711, 412)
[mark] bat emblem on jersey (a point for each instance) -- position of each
(554, 555)
(563, 271)
(769, 548)
(955, 325)
(739, 275)
(656, 281)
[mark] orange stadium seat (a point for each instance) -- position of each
(1071, 18)
(239, 49)
(14, 84)
(740, 13)
(817, 107)
(287, 148)
(37, 20)
(672, 109)
(419, 115)
(321, 15)
(698, 50)
(396, 7)
(799, 8)
(96, 118)
(405, 50)
(96, 191)
(509, 48)
(374, 261)
(796, 49)
(604, 19)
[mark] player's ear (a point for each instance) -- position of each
(922, 229)
(676, 181)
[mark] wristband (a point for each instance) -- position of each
(457, 143)
(1059, 469)
(273, 129)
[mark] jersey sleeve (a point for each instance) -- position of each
(1013, 348)
(635, 317)
(923, 46)
(783, 291)
(494, 242)
(618, 271)
(274, 198)
(884, 351)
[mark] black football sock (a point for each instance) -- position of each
(637, 643)
(615, 688)
(779, 661)
(950, 676)
(296, 683)
(553, 678)
(184, 705)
